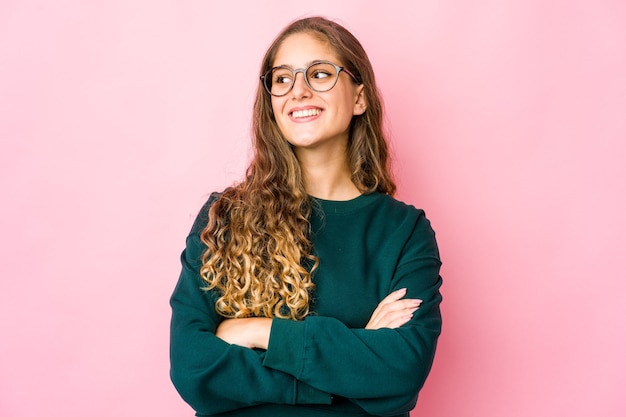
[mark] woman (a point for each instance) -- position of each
(307, 290)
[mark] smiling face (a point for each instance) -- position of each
(309, 119)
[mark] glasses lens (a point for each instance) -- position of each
(322, 76)
(278, 81)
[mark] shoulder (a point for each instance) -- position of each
(398, 209)
(405, 216)
(203, 216)
(401, 205)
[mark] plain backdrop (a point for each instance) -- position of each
(508, 126)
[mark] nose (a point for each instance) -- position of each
(300, 88)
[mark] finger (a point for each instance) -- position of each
(399, 321)
(390, 323)
(389, 299)
(393, 310)
(399, 305)
(392, 319)
(394, 296)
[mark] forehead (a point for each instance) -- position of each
(300, 49)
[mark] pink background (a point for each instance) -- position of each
(508, 118)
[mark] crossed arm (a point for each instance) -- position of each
(254, 333)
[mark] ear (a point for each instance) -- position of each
(360, 105)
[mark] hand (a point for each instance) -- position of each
(392, 312)
(253, 332)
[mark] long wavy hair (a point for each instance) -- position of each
(259, 254)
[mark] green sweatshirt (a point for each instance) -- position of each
(328, 364)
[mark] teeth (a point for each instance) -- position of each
(306, 113)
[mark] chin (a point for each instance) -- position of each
(303, 142)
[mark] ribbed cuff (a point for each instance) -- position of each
(306, 394)
(285, 351)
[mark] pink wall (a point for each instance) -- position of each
(509, 124)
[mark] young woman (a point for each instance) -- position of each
(307, 289)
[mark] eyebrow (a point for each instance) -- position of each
(315, 61)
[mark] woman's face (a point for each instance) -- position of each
(309, 119)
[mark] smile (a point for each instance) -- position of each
(305, 113)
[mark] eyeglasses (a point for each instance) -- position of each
(320, 76)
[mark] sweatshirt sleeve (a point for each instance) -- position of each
(380, 370)
(211, 375)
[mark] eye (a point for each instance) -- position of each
(319, 74)
(283, 79)
(281, 76)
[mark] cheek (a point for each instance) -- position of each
(346, 101)
(276, 104)
(277, 115)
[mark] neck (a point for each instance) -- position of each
(327, 177)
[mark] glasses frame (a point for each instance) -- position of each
(295, 72)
